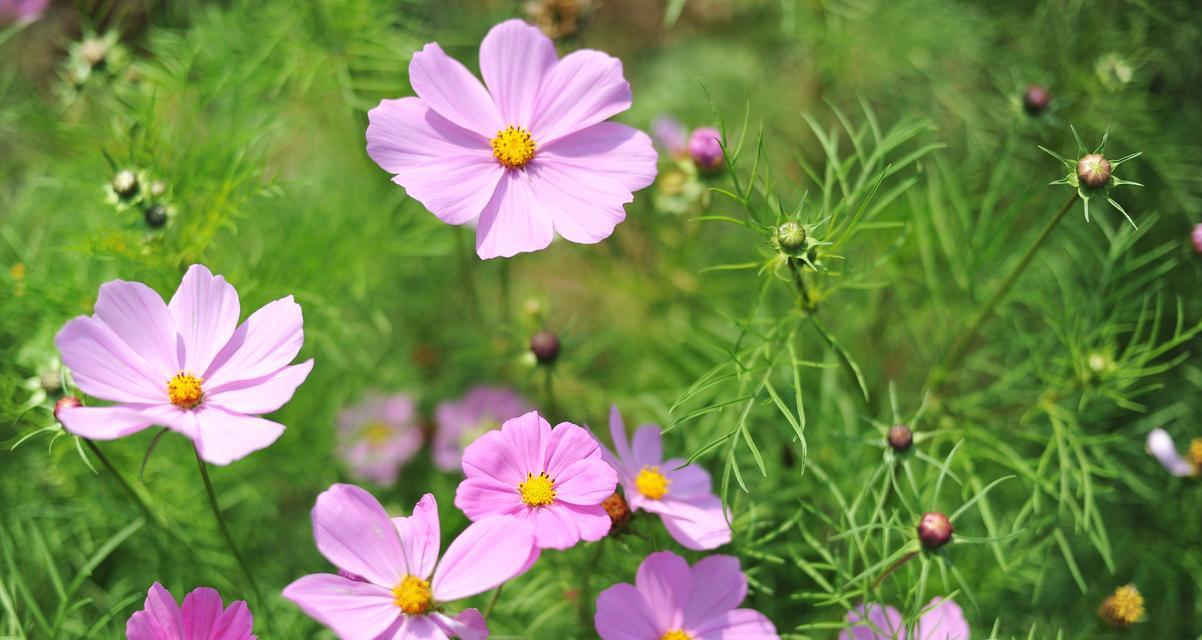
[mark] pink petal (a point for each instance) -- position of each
(1160, 446)
(451, 90)
(236, 623)
(943, 620)
(561, 525)
(725, 588)
(610, 149)
(468, 625)
(740, 624)
(205, 310)
(514, 59)
(267, 342)
(697, 524)
(648, 447)
(418, 628)
(688, 481)
(486, 554)
(584, 88)
(224, 436)
(419, 537)
(354, 610)
(492, 455)
(138, 316)
(262, 395)
(406, 134)
(566, 445)
(617, 432)
(355, 534)
(585, 206)
(456, 189)
(666, 584)
(872, 622)
(159, 618)
(585, 482)
(103, 366)
(622, 614)
(105, 423)
(529, 435)
(514, 221)
(483, 496)
(200, 611)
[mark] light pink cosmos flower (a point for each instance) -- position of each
(1196, 237)
(527, 157)
(460, 422)
(527, 471)
(21, 11)
(670, 136)
(378, 436)
(1160, 445)
(680, 495)
(202, 617)
(942, 620)
(706, 149)
(186, 365)
(391, 583)
(672, 601)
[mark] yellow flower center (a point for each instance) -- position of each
(1127, 605)
(513, 147)
(676, 634)
(184, 390)
(653, 484)
(537, 491)
(1195, 454)
(412, 595)
(377, 432)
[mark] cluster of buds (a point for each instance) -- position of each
(1092, 174)
(130, 188)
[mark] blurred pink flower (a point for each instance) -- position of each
(1196, 236)
(460, 422)
(671, 136)
(186, 365)
(378, 436)
(392, 583)
(1160, 445)
(942, 620)
(680, 495)
(202, 617)
(706, 149)
(528, 157)
(671, 601)
(529, 472)
(20, 11)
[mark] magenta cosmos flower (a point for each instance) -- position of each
(460, 422)
(1196, 237)
(186, 365)
(391, 584)
(526, 155)
(705, 147)
(671, 601)
(21, 11)
(527, 471)
(202, 617)
(941, 620)
(680, 495)
(378, 436)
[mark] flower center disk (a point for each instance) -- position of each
(184, 390)
(652, 484)
(676, 634)
(513, 147)
(412, 595)
(377, 433)
(537, 491)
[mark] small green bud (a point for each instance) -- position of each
(1093, 170)
(125, 184)
(791, 237)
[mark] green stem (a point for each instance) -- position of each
(225, 532)
(896, 565)
(552, 408)
(492, 602)
(466, 256)
(151, 515)
(803, 289)
(964, 341)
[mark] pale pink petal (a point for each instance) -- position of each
(492, 455)
(583, 88)
(622, 614)
(267, 342)
(688, 481)
(529, 435)
(105, 423)
(487, 553)
(591, 521)
(647, 447)
(484, 496)
(725, 586)
(514, 59)
(224, 436)
(740, 624)
(1160, 445)
(200, 611)
(262, 395)
(139, 317)
(566, 445)
(451, 90)
(456, 190)
(697, 524)
(354, 610)
(585, 482)
(584, 206)
(419, 536)
(514, 221)
(554, 526)
(235, 624)
(205, 309)
(159, 618)
(468, 625)
(943, 620)
(666, 584)
(418, 628)
(872, 622)
(354, 533)
(103, 366)
(610, 149)
(406, 134)
(617, 432)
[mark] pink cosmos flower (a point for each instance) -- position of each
(942, 620)
(186, 365)
(202, 617)
(528, 471)
(481, 409)
(671, 136)
(527, 157)
(391, 583)
(1196, 236)
(378, 436)
(706, 149)
(21, 11)
(672, 601)
(680, 495)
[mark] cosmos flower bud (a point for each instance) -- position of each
(935, 530)
(1196, 236)
(706, 149)
(618, 510)
(900, 437)
(1123, 608)
(94, 51)
(791, 236)
(1093, 170)
(1036, 99)
(125, 184)
(156, 216)
(66, 402)
(545, 347)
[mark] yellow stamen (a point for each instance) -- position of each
(513, 147)
(412, 595)
(1195, 454)
(537, 491)
(184, 390)
(1125, 607)
(377, 432)
(676, 634)
(651, 483)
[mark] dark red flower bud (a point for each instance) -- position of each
(545, 347)
(935, 530)
(1036, 100)
(1093, 170)
(900, 437)
(156, 216)
(66, 402)
(618, 510)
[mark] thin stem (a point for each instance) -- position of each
(492, 602)
(552, 408)
(506, 302)
(151, 515)
(896, 565)
(803, 289)
(465, 266)
(964, 341)
(225, 532)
